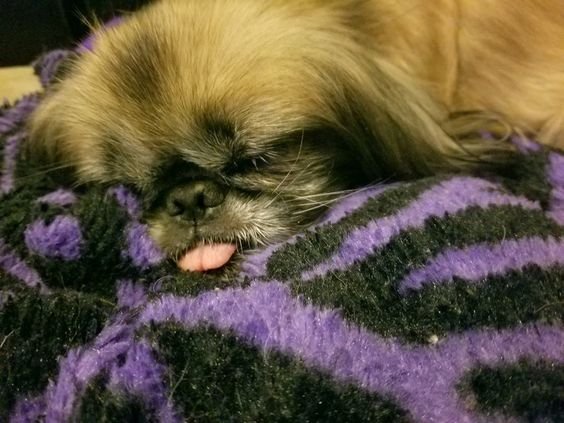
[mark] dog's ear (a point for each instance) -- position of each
(55, 66)
(65, 67)
(46, 124)
(397, 131)
(47, 132)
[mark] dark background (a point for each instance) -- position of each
(30, 27)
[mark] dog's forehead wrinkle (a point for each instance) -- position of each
(207, 155)
(218, 126)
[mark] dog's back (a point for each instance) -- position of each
(501, 56)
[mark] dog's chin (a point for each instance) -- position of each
(176, 238)
(181, 241)
(226, 233)
(218, 251)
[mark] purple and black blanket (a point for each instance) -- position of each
(439, 300)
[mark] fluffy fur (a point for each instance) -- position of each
(284, 103)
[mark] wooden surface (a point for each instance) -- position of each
(17, 81)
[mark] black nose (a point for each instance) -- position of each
(192, 199)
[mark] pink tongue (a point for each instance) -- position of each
(206, 257)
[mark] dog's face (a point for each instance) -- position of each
(221, 133)
(235, 120)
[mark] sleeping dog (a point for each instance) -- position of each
(239, 121)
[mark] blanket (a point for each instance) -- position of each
(436, 300)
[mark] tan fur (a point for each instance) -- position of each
(378, 88)
(505, 57)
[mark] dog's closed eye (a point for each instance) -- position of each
(246, 164)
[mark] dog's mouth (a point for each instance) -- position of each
(205, 257)
(195, 249)
(192, 249)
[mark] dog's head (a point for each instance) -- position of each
(236, 120)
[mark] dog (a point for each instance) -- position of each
(240, 121)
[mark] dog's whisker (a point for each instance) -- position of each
(293, 164)
(318, 206)
(327, 194)
(276, 190)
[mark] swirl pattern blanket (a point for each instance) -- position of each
(439, 300)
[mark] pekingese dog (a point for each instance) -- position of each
(240, 120)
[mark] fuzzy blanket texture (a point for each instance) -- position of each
(439, 300)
